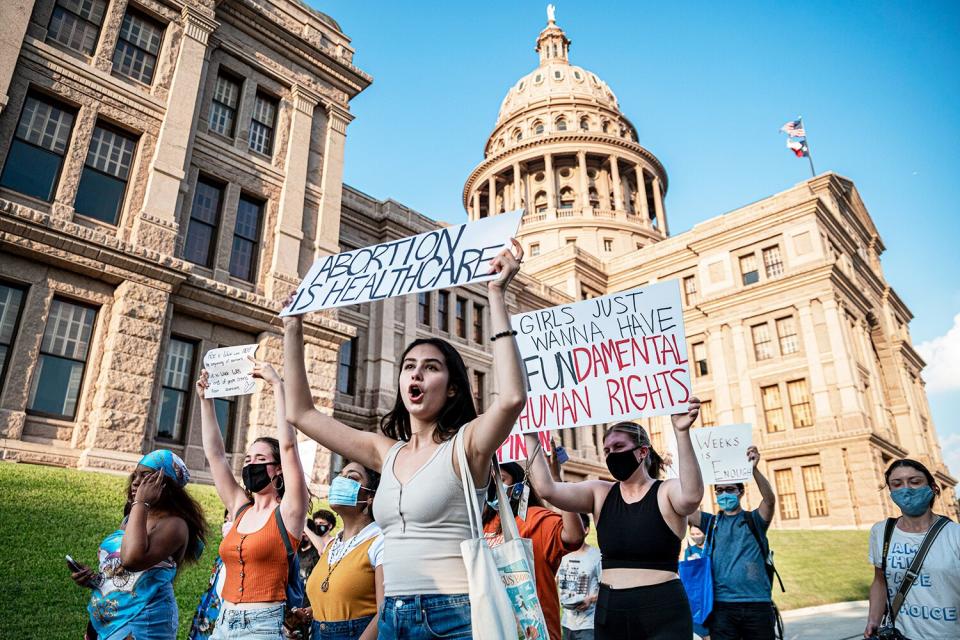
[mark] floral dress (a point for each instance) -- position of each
(205, 619)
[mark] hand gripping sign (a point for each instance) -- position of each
(228, 371)
(722, 453)
(618, 357)
(447, 257)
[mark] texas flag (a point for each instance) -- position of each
(798, 146)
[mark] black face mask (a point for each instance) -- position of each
(255, 477)
(622, 464)
(319, 528)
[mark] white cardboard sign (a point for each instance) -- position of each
(515, 447)
(722, 453)
(446, 257)
(228, 371)
(618, 357)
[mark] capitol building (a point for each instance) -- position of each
(171, 168)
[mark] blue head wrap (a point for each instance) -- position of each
(169, 463)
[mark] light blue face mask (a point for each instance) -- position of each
(344, 492)
(913, 501)
(728, 501)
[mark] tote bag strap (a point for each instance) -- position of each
(508, 523)
(469, 489)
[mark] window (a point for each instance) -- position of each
(762, 345)
(175, 389)
(261, 126)
(204, 221)
(748, 269)
(76, 24)
(700, 358)
(690, 290)
(517, 135)
(584, 124)
(423, 308)
(772, 408)
(540, 202)
(534, 249)
(103, 182)
(561, 125)
(478, 323)
(223, 109)
(608, 244)
(246, 239)
(11, 303)
(707, 417)
(800, 403)
(226, 409)
(346, 365)
(772, 262)
(570, 241)
(63, 356)
(813, 487)
(443, 310)
(786, 494)
(461, 313)
(538, 128)
(478, 390)
(787, 333)
(567, 197)
(36, 152)
(137, 47)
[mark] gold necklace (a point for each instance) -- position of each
(325, 585)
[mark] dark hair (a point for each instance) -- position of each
(517, 475)
(274, 445)
(175, 501)
(325, 514)
(585, 519)
(918, 466)
(458, 409)
(640, 438)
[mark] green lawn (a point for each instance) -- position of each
(46, 513)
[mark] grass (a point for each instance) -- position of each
(47, 513)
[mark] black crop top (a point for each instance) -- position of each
(635, 536)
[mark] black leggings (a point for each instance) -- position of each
(657, 612)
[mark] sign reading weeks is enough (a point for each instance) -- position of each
(722, 453)
(447, 257)
(618, 357)
(228, 371)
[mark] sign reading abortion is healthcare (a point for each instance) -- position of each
(447, 257)
(618, 357)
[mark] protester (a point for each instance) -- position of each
(553, 537)
(346, 587)
(929, 609)
(205, 618)
(420, 504)
(742, 604)
(640, 523)
(694, 550)
(272, 503)
(321, 529)
(578, 580)
(162, 529)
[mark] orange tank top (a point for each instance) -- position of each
(256, 563)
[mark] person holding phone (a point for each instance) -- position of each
(162, 528)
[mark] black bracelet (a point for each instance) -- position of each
(503, 334)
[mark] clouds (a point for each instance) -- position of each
(950, 446)
(943, 360)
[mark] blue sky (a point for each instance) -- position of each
(707, 86)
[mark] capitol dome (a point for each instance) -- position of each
(556, 78)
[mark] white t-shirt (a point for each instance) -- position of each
(931, 610)
(577, 578)
(339, 548)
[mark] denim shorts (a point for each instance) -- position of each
(342, 630)
(234, 624)
(425, 617)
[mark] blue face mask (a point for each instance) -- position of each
(514, 491)
(913, 502)
(728, 501)
(344, 492)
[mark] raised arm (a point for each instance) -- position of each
(686, 492)
(574, 497)
(365, 447)
(293, 506)
(229, 490)
(492, 427)
(769, 502)
(141, 549)
(572, 534)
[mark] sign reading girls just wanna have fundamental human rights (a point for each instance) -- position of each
(446, 257)
(617, 357)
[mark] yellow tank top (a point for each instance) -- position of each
(351, 586)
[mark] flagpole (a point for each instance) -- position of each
(813, 173)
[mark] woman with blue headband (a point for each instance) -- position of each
(162, 528)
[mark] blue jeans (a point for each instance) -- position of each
(425, 617)
(235, 624)
(343, 630)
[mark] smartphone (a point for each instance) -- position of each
(73, 564)
(561, 453)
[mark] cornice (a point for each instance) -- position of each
(198, 24)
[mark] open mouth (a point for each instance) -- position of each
(416, 393)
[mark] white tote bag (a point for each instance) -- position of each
(503, 594)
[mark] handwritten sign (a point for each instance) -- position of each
(446, 257)
(515, 447)
(722, 453)
(617, 357)
(228, 371)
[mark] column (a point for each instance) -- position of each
(551, 187)
(15, 21)
(517, 199)
(718, 368)
(642, 188)
(658, 204)
(156, 226)
(475, 204)
(617, 189)
(818, 385)
(331, 180)
(747, 402)
(842, 358)
(492, 196)
(584, 187)
(289, 235)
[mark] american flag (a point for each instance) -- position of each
(794, 129)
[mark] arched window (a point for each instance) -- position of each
(605, 126)
(517, 135)
(538, 127)
(566, 198)
(540, 202)
(584, 124)
(500, 144)
(594, 198)
(561, 125)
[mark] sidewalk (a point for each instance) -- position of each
(840, 621)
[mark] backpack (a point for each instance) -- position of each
(296, 591)
(767, 553)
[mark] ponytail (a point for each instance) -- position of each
(638, 435)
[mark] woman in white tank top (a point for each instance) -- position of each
(420, 504)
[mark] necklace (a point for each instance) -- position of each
(335, 550)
